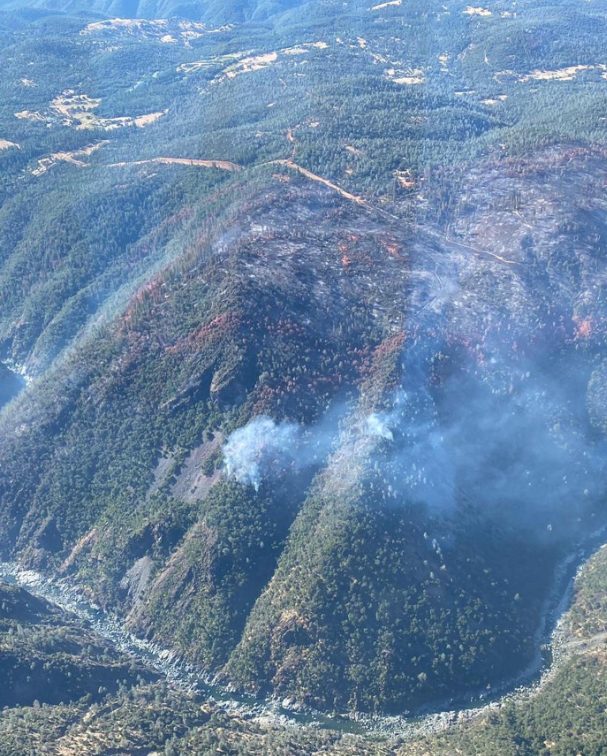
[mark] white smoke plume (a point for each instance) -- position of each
(378, 424)
(507, 437)
(251, 451)
(264, 448)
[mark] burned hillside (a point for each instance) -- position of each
(430, 360)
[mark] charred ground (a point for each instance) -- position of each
(350, 581)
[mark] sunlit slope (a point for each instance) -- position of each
(101, 122)
(387, 245)
(565, 715)
(321, 301)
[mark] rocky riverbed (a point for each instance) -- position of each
(552, 643)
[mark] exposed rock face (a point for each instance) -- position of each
(194, 480)
(136, 579)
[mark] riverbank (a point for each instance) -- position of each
(12, 382)
(551, 641)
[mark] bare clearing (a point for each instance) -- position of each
(6, 145)
(78, 111)
(561, 74)
(131, 25)
(224, 165)
(568, 73)
(405, 178)
(30, 115)
(297, 50)
(144, 120)
(73, 157)
(196, 65)
(254, 63)
(386, 5)
(162, 30)
(471, 11)
(410, 77)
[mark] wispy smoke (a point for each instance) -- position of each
(508, 436)
(505, 433)
(418, 466)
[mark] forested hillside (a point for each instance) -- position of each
(563, 716)
(302, 321)
(49, 658)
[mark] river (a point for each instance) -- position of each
(550, 645)
(11, 383)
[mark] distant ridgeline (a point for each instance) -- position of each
(212, 11)
(312, 299)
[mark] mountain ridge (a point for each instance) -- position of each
(311, 423)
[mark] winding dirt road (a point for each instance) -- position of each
(224, 165)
